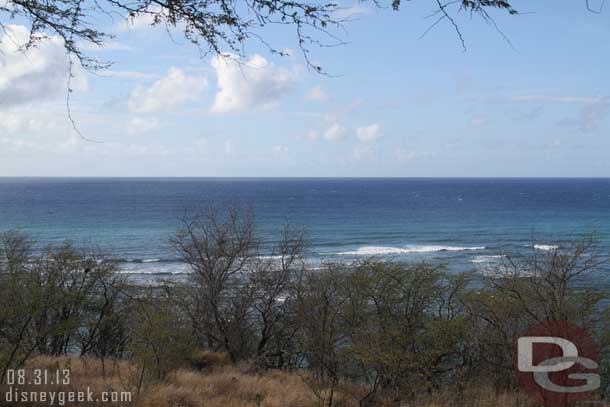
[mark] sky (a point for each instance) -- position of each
(394, 103)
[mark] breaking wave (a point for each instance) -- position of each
(385, 250)
(545, 247)
(487, 259)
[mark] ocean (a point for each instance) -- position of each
(463, 223)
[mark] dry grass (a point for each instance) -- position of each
(216, 383)
(205, 360)
(95, 373)
(477, 398)
(85, 374)
(229, 386)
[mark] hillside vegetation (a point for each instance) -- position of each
(253, 329)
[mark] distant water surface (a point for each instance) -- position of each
(462, 222)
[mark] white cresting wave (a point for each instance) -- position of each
(385, 250)
(151, 260)
(487, 259)
(154, 267)
(545, 247)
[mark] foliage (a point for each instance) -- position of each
(373, 332)
(55, 301)
(217, 26)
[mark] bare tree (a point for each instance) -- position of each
(544, 282)
(219, 246)
(276, 281)
(242, 294)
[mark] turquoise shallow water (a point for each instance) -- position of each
(463, 222)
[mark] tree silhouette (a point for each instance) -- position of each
(215, 26)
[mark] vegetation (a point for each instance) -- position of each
(216, 26)
(252, 329)
(222, 385)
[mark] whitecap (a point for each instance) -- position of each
(386, 250)
(271, 257)
(487, 259)
(154, 268)
(545, 247)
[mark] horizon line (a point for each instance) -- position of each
(289, 177)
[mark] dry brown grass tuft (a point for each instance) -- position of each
(96, 373)
(206, 360)
(110, 376)
(172, 396)
(223, 385)
(230, 387)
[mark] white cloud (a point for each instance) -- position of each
(335, 132)
(256, 83)
(45, 126)
(139, 125)
(16, 145)
(40, 128)
(24, 119)
(317, 94)
(69, 145)
(129, 74)
(369, 133)
(37, 75)
(145, 19)
(137, 23)
(170, 91)
(4, 4)
(33, 88)
(106, 46)
(350, 12)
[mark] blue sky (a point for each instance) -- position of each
(394, 105)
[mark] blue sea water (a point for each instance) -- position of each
(461, 222)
